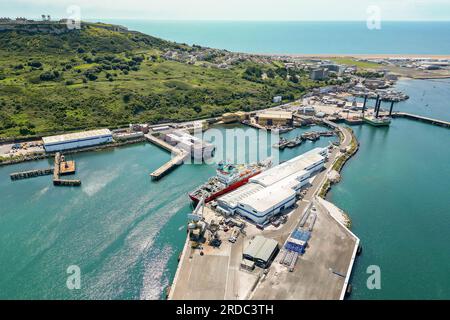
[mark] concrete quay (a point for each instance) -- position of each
(321, 273)
(436, 122)
(178, 157)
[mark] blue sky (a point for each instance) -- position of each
(232, 9)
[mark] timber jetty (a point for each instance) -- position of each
(61, 167)
(31, 174)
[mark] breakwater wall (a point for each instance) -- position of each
(341, 160)
(436, 122)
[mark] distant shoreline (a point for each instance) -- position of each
(363, 55)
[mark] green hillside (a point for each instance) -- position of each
(96, 77)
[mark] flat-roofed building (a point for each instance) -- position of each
(319, 74)
(261, 251)
(77, 140)
(275, 117)
(266, 203)
(231, 117)
(229, 202)
(247, 265)
(258, 203)
(310, 162)
(195, 146)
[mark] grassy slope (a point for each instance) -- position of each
(159, 90)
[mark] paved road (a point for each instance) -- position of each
(329, 250)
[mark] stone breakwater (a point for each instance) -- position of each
(339, 164)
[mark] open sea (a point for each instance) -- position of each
(303, 37)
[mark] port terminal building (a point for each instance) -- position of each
(195, 146)
(77, 140)
(274, 190)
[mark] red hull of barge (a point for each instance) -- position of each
(230, 188)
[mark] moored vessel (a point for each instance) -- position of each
(228, 178)
(378, 122)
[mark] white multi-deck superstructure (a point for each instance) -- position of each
(274, 190)
(195, 146)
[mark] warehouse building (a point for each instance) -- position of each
(77, 140)
(232, 117)
(275, 117)
(264, 204)
(258, 203)
(310, 162)
(229, 202)
(261, 251)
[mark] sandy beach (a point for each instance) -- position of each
(364, 56)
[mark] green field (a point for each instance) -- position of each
(96, 77)
(355, 62)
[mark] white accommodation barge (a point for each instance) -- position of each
(276, 189)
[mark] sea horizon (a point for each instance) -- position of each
(350, 37)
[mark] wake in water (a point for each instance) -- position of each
(94, 183)
(155, 280)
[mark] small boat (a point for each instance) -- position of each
(311, 136)
(295, 142)
(283, 143)
(326, 133)
(281, 129)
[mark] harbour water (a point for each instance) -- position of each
(123, 230)
(427, 97)
(300, 37)
(396, 191)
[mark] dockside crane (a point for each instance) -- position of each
(197, 226)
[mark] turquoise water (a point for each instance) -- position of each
(303, 37)
(397, 193)
(427, 97)
(123, 230)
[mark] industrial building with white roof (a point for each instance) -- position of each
(274, 190)
(192, 144)
(77, 140)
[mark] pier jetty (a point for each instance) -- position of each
(168, 166)
(30, 174)
(180, 156)
(61, 168)
(436, 122)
